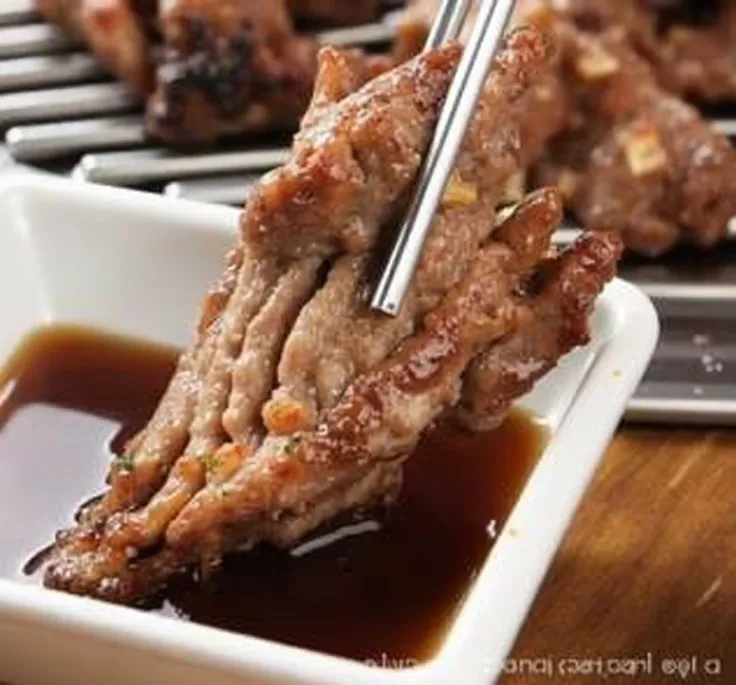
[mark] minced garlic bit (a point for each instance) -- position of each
(568, 183)
(459, 193)
(543, 15)
(680, 35)
(285, 415)
(644, 151)
(515, 189)
(291, 445)
(543, 93)
(221, 465)
(596, 64)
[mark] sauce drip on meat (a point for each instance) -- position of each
(383, 587)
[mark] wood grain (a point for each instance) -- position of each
(648, 570)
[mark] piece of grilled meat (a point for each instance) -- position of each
(690, 43)
(228, 66)
(552, 320)
(117, 32)
(634, 158)
(223, 462)
(697, 52)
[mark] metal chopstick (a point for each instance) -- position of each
(454, 119)
(448, 23)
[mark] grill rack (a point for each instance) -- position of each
(60, 112)
(58, 108)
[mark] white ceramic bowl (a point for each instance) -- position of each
(139, 264)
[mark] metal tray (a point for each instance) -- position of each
(60, 113)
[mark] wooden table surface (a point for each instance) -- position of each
(644, 588)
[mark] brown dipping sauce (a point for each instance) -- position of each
(386, 590)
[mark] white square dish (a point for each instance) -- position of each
(139, 264)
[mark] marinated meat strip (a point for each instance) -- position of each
(187, 418)
(228, 66)
(123, 582)
(227, 424)
(115, 31)
(256, 281)
(320, 358)
(254, 371)
(337, 335)
(339, 74)
(138, 471)
(636, 159)
(543, 112)
(334, 11)
(626, 155)
(553, 321)
(212, 68)
(351, 165)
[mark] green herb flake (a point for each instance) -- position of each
(290, 447)
(212, 462)
(124, 463)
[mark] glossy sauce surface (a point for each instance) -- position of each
(384, 589)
